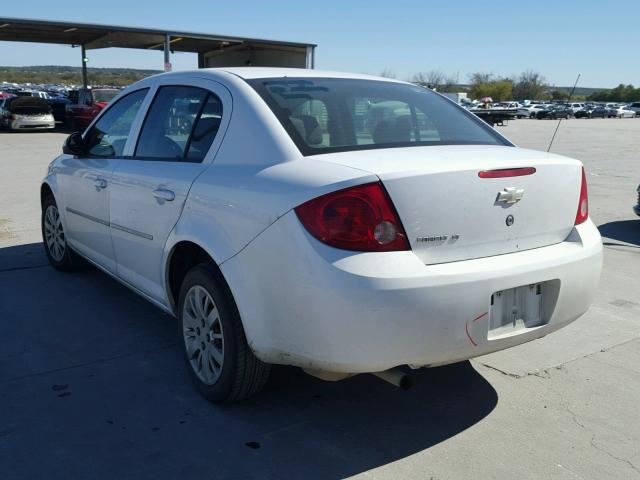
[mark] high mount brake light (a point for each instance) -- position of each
(583, 204)
(360, 218)
(507, 172)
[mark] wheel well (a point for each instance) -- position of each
(45, 191)
(184, 257)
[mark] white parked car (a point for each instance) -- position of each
(530, 111)
(574, 107)
(622, 111)
(337, 222)
(26, 113)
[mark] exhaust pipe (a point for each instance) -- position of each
(396, 377)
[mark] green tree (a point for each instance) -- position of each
(529, 85)
(486, 85)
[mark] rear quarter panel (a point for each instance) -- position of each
(257, 176)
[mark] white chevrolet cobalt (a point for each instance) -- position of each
(336, 222)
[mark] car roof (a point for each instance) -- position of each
(249, 73)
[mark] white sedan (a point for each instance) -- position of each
(622, 111)
(340, 223)
(530, 111)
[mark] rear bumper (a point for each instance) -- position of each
(32, 124)
(306, 304)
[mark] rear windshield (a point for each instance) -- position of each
(324, 115)
(28, 105)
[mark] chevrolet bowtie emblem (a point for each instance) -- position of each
(510, 195)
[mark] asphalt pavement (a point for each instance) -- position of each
(92, 384)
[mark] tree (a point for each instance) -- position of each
(436, 79)
(559, 95)
(485, 85)
(388, 73)
(529, 85)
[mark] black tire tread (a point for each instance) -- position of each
(250, 374)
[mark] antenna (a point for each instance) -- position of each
(560, 120)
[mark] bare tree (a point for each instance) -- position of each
(480, 78)
(388, 73)
(435, 79)
(432, 78)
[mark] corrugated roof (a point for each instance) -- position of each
(105, 36)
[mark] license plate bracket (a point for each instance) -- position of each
(515, 310)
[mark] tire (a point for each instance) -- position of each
(60, 256)
(239, 373)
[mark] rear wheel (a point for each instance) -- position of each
(220, 361)
(55, 242)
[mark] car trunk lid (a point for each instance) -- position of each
(450, 213)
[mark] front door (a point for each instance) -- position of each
(149, 189)
(85, 182)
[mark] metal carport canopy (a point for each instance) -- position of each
(212, 50)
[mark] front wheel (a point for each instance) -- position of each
(220, 361)
(58, 252)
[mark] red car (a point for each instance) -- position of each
(87, 103)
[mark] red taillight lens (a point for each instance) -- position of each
(583, 204)
(358, 218)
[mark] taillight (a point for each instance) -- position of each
(583, 204)
(358, 218)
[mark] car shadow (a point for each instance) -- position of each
(91, 368)
(627, 231)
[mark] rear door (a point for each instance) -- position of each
(177, 141)
(85, 182)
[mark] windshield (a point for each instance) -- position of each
(324, 115)
(104, 95)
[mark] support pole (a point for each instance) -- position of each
(167, 53)
(84, 67)
(311, 57)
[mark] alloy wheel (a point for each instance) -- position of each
(53, 233)
(202, 334)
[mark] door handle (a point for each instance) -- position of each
(100, 183)
(164, 194)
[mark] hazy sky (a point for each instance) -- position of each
(558, 38)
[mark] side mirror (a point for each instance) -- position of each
(74, 145)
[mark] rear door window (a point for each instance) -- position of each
(181, 124)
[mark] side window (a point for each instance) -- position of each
(109, 135)
(180, 125)
(205, 129)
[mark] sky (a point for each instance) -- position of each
(558, 39)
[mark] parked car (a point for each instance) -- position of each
(592, 112)
(554, 112)
(26, 113)
(621, 111)
(635, 106)
(574, 107)
(636, 207)
(59, 108)
(529, 111)
(85, 104)
(294, 231)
